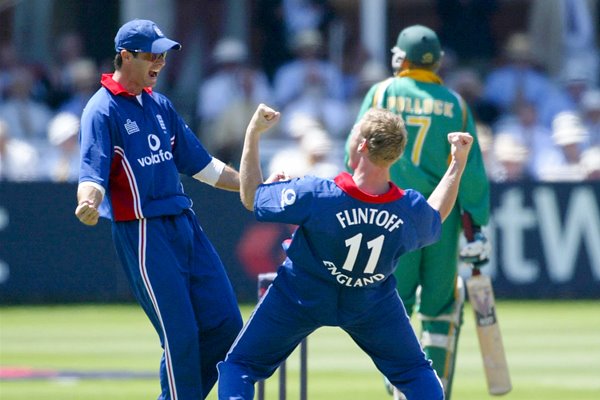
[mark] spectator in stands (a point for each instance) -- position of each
(310, 151)
(303, 15)
(61, 163)
(569, 135)
(590, 160)
(225, 137)
(565, 30)
(84, 74)
(318, 94)
(289, 157)
(511, 155)
(575, 79)
(519, 81)
(19, 160)
(279, 21)
(590, 110)
(525, 127)
(317, 148)
(485, 138)
(68, 52)
(314, 100)
(308, 69)
(233, 81)
(371, 72)
(468, 83)
(27, 118)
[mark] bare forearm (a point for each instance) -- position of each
(229, 180)
(444, 196)
(250, 171)
(263, 119)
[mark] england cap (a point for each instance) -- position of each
(418, 44)
(141, 35)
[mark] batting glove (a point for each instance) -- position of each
(476, 252)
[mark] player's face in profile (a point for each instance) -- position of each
(147, 66)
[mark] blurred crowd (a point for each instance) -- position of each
(535, 96)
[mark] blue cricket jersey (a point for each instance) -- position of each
(141, 149)
(346, 235)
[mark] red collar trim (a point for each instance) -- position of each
(346, 183)
(116, 88)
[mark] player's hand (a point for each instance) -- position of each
(87, 213)
(278, 177)
(264, 118)
(461, 143)
(476, 252)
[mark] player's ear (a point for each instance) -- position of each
(362, 146)
(126, 55)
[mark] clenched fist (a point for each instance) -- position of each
(87, 213)
(461, 143)
(264, 118)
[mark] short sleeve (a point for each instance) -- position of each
(287, 202)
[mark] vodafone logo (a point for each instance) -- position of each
(153, 142)
(157, 155)
(288, 197)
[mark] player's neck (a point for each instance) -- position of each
(127, 84)
(372, 179)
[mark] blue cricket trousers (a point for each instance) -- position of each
(297, 303)
(180, 282)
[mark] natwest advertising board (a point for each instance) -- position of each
(545, 237)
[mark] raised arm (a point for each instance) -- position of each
(263, 119)
(445, 193)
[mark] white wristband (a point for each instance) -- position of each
(211, 173)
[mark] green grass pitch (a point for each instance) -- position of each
(553, 350)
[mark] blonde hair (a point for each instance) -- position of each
(385, 135)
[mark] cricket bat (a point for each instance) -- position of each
(481, 297)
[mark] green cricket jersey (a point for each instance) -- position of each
(431, 111)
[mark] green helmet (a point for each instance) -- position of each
(418, 44)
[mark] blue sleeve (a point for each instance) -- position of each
(96, 147)
(288, 202)
(427, 221)
(189, 154)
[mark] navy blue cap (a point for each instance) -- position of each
(142, 35)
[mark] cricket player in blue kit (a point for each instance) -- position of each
(134, 145)
(340, 262)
